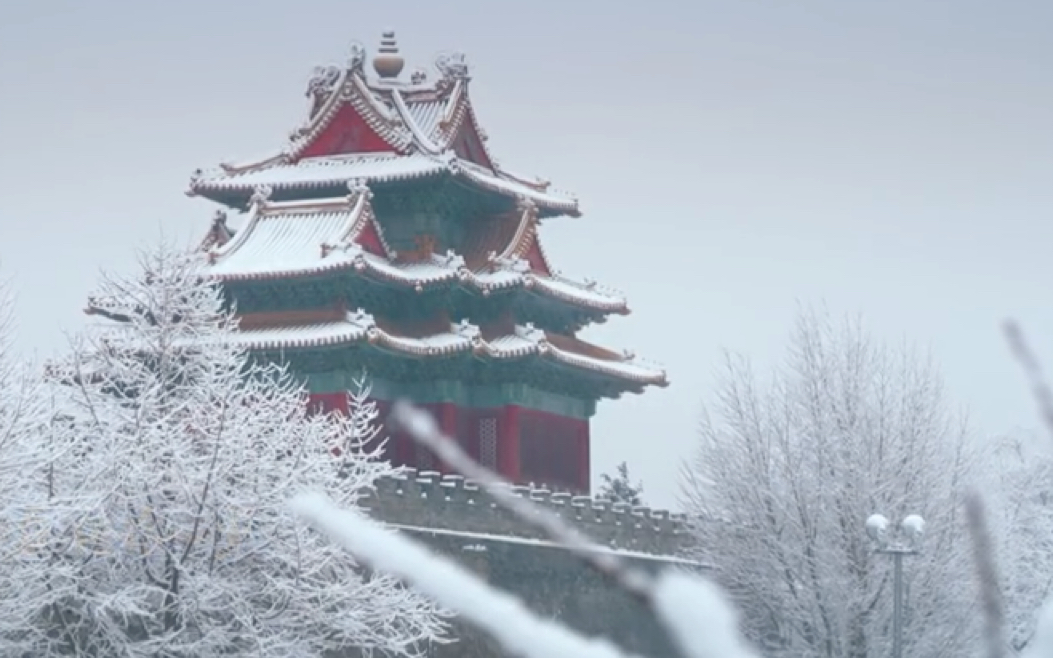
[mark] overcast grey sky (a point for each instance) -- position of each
(892, 158)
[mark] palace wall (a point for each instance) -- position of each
(457, 519)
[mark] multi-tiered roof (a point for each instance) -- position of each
(386, 232)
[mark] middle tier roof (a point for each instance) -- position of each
(311, 238)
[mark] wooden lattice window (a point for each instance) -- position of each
(488, 442)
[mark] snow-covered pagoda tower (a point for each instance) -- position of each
(386, 237)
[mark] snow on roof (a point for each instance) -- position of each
(303, 336)
(462, 337)
(526, 541)
(414, 120)
(280, 243)
(376, 168)
(427, 115)
(302, 238)
(504, 184)
(329, 170)
(582, 293)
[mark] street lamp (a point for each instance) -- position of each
(906, 542)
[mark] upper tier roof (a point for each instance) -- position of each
(381, 129)
(308, 238)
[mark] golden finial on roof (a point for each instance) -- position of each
(388, 62)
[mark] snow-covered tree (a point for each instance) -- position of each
(23, 461)
(179, 454)
(788, 471)
(620, 487)
(1020, 494)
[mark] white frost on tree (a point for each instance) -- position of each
(1021, 498)
(23, 460)
(180, 453)
(787, 474)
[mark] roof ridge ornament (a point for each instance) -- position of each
(452, 259)
(527, 206)
(453, 66)
(261, 195)
(466, 329)
(361, 318)
(359, 186)
(356, 58)
(323, 81)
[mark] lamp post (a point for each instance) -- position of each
(906, 542)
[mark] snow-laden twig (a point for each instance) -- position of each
(501, 615)
(693, 610)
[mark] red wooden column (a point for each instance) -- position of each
(584, 467)
(508, 443)
(447, 419)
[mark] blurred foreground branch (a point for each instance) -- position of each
(1033, 370)
(987, 575)
(694, 611)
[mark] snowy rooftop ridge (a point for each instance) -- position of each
(436, 503)
(422, 125)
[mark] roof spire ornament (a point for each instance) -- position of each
(388, 62)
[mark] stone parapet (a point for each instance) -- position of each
(429, 499)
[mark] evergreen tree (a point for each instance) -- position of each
(620, 487)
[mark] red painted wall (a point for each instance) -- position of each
(523, 445)
(469, 146)
(346, 133)
(550, 448)
(537, 259)
(327, 402)
(369, 239)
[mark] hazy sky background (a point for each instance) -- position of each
(892, 158)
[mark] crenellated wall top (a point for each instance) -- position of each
(428, 499)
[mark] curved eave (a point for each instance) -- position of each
(372, 268)
(461, 341)
(233, 193)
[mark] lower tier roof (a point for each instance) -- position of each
(524, 343)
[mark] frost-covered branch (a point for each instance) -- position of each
(693, 610)
(162, 527)
(789, 466)
(500, 615)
